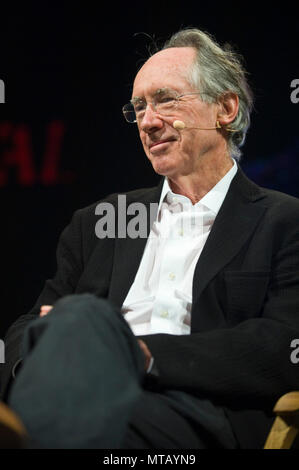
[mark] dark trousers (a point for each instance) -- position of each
(83, 385)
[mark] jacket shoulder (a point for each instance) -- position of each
(284, 206)
(131, 196)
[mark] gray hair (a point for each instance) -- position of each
(216, 71)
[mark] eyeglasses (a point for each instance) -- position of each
(165, 102)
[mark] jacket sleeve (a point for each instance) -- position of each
(69, 268)
(247, 365)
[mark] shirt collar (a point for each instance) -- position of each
(214, 198)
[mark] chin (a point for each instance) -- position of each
(163, 170)
(162, 165)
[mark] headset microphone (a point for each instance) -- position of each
(180, 125)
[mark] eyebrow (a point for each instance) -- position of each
(157, 92)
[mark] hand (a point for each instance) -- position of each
(146, 352)
(44, 310)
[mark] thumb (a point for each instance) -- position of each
(44, 310)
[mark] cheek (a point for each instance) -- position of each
(189, 141)
(145, 147)
(142, 137)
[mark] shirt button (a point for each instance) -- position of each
(164, 314)
(171, 276)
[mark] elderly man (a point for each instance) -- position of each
(180, 339)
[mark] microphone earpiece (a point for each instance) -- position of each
(180, 125)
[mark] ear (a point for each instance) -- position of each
(228, 108)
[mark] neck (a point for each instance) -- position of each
(197, 184)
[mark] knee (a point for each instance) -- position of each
(77, 304)
(78, 312)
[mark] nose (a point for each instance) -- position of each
(151, 120)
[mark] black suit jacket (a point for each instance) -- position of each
(245, 310)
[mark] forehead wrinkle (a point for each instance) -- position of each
(170, 65)
(156, 93)
(171, 84)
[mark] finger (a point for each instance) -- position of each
(45, 309)
(146, 352)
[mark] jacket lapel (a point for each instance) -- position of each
(129, 251)
(235, 222)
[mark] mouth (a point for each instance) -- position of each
(160, 144)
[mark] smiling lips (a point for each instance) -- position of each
(159, 142)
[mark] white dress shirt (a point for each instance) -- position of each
(160, 298)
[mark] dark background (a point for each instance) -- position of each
(68, 69)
